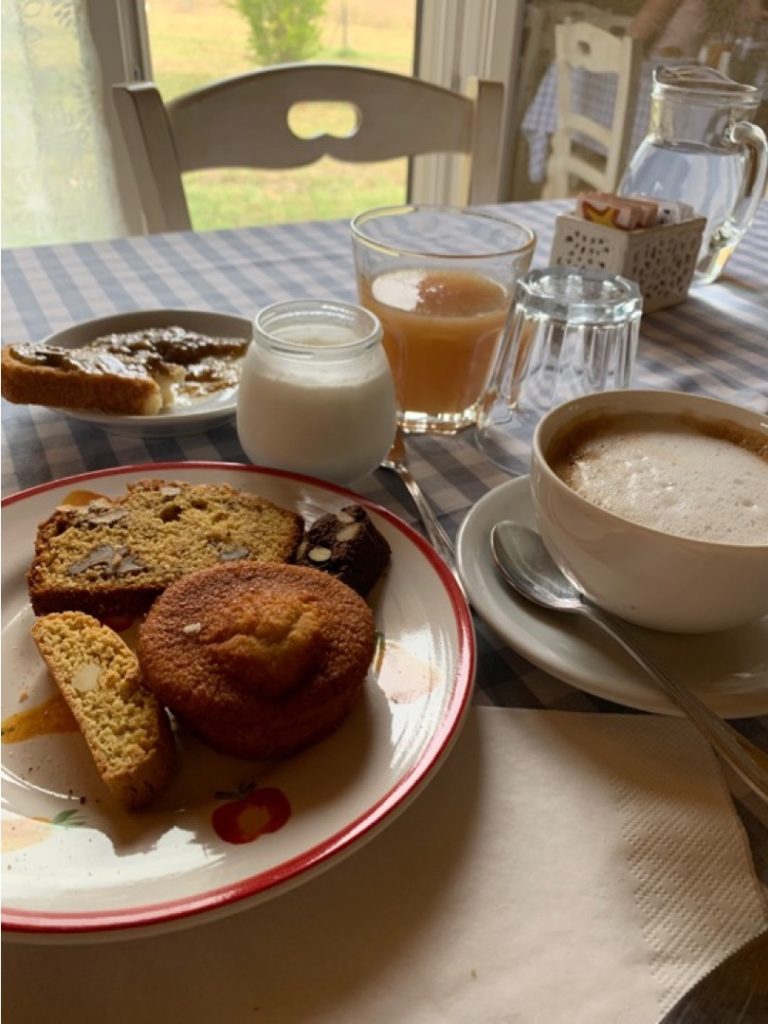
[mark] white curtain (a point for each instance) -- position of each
(58, 179)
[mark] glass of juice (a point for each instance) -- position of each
(441, 281)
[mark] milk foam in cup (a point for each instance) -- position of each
(655, 503)
(316, 394)
(671, 473)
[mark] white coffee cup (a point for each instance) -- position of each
(641, 573)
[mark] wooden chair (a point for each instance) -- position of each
(574, 10)
(538, 48)
(580, 46)
(243, 122)
(537, 53)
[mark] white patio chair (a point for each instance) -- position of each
(243, 122)
(585, 148)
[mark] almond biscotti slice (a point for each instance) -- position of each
(124, 725)
(114, 557)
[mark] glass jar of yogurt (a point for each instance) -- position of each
(316, 394)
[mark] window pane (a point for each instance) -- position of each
(57, 163)
(193, 42)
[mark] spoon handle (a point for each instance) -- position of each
(439, 539)
(748, 761)
(437, 535)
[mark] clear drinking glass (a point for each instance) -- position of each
(440, 280)
(571, 332)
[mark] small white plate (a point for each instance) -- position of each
(209, 412)
(729, 670)
(76, 867)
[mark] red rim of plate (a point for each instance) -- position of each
(341, 843)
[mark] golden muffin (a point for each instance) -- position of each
(257, 659)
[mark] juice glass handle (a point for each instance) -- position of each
(513, 357)
(743, 133)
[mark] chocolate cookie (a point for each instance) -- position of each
(347, 545)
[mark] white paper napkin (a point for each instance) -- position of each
(561, 867)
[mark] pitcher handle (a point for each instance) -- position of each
(750, 135)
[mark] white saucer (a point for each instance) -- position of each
(729, 670)
(199, 416)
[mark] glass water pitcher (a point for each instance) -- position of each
(702, 149)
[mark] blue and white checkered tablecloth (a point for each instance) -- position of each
(715, 342)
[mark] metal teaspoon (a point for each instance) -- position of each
(396, 460)
(524, 562)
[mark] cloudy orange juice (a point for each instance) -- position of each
(440, 279)
(441, 330)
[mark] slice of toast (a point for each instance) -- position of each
(79, 379)
(133, 374)
(124, 725)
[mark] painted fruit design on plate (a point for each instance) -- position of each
(251, 812)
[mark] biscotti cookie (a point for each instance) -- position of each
(123, 723)
(114, 557)
(347, 545)
(259, 660)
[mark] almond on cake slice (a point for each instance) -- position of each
(115, 557)
(125, 726)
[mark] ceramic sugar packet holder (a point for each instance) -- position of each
(653, 242)
(661, 258)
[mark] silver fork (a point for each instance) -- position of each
(396, 460)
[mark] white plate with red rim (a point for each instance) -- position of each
(176, 421)
(228, 833)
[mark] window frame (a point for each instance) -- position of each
(121, 43)
(455, 40)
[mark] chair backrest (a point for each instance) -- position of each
(574, 10)
(582, 47)
(243, 122)
(539, 39)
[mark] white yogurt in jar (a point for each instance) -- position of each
(316, 394)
